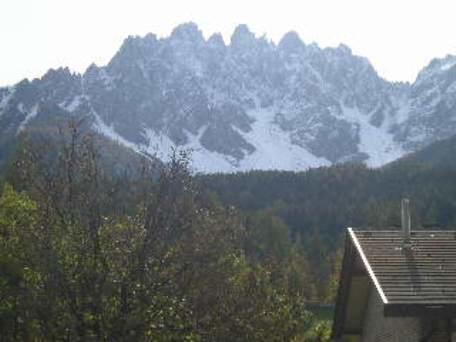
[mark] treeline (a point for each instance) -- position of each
(317, 205)
(140, 254)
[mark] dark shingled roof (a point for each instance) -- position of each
(419, 281)
(424, 274)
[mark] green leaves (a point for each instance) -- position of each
(16, 210)
(86, 255)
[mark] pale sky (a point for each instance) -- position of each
(398, 36)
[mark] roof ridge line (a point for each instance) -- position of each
(367, 265)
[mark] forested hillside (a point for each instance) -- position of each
(317, 205)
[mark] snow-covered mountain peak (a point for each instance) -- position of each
(216, 41)
(447, 63)
(344, 49)
(242, 37)
(291, 43)
(246, 105)
(188, 32)
(437, 67)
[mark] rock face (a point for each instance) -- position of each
(251, 104)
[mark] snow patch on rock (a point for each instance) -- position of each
(29, 116)
(5, 100)
(274, 148)
(377, 143)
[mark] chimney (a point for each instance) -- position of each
(405, 220)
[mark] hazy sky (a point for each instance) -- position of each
(398, 36)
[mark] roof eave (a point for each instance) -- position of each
(444, 310)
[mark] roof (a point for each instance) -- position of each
(415, 281)
(424, 274)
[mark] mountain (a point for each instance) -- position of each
(439, 154)
(249, 104)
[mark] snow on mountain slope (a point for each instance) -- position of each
(5, 96)
(28, 116)
(376, 142)
(274, 151)
(274, 148)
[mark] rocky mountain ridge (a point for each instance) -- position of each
(249, 104)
